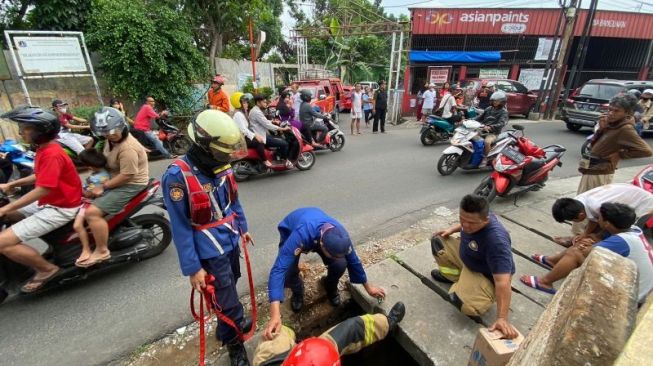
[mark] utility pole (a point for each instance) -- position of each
(548, 68)
(252, 50)
(567, 36)
(581, 50)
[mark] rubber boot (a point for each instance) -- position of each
(396, 315)
(237, 353)
(332, 295)
(458, 303)
(297, 300)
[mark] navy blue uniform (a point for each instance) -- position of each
(214, 249)
(300, 232)
(493, 255)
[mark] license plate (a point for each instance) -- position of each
(513, 155)
(586, 107)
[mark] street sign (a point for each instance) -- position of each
(43, 55)
(493, 73)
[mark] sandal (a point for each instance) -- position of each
(90, 263)
(34, 285)
(534, 282)
(541, 259)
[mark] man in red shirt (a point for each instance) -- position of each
(143, 122)
(218, 98)
(74, 141)
(50, 205)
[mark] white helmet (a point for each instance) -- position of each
(499, 96)
(648, 91)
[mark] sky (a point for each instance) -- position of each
(398, 7)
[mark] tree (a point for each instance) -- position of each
(146, 48)
(60, 15)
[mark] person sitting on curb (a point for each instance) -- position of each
(345, 338)
(479, 263)
(624, 239)
(307, 230)
(586, 206)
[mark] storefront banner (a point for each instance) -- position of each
(455, 56)
(439, 75)
(493, 73)
(531, 78)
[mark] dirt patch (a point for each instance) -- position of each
(181, 347)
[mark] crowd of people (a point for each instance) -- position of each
(209, 223)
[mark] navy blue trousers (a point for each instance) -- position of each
(226, 270)
(335, 269)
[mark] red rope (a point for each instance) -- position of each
(208, 299)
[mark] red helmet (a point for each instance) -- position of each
(218, 79)
(313, 352)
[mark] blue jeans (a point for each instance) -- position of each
(154, 139)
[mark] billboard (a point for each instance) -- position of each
(439, 75)
(47, 55)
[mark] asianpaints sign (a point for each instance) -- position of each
(510, 22)
(494, 18)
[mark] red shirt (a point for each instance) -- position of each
(55, 170)
(144, 118)
(64, 119)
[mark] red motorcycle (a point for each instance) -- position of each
(644, 180)
(132, 238)
(521, 168)
(252, 165)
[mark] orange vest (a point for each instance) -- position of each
(219, 100)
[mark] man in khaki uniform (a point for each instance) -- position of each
(478, 263)
(647, 105)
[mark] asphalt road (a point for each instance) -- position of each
(377, 184)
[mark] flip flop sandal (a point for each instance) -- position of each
(534, 282)
(91, 263)
(541, 259)
(38, 283)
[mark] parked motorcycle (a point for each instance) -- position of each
(133, 237)
(173, 139)
(252, 165)
(335, 138)
(520, 168)
(644, 180)
(467, 139)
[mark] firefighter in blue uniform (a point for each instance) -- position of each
(207, 219)
(307, 230)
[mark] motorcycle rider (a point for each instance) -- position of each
(495, 118)
(51, 204)
(307, 116)
(261, 126)
(143, 123)
(217, 97)
(241, 102)
(207, 233)
(74, 141)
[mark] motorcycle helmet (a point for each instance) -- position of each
(313, 352)
(108, 121)
(217, 133)
(648, 93)
(46, 125)
(635, 93)
(305, 96)
(499, 96)
(235, 99)
(218, 79)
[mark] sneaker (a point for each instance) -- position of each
(395, 315)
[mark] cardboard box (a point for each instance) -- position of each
(490, 350)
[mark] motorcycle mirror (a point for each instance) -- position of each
(560, 149)
(518, 127)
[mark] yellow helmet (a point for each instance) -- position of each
(235, 99)
(216, 131)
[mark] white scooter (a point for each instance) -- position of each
(459, 154)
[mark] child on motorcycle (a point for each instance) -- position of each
(97, 162)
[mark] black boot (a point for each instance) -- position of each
(332, 294)
(297, 302)
(237, 353)
(246, 325)
(437, 275)
(396, 315)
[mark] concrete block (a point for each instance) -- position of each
(537, 221)
(589, 319)
(433, 332)
(638, 350)
(523, 311)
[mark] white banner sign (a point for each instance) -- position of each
(43, 55)
(493, 73)
(544, 48)
(531, 78)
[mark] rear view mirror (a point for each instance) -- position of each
(518, 127)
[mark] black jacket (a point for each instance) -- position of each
(495, 118)
(307, 115)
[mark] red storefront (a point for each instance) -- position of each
(455, 44)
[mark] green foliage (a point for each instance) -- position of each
(146, 48)
(248, 87)
(274, 58)
(61, 15)
(85, 112)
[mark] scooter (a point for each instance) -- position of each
(467, 139)
(175, 141)
(334, 139)
(252, 165)
(644, 180)
(133, 237)
(19, 157)
(521, 168)
(436, 129)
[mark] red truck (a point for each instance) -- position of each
(328, 94)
